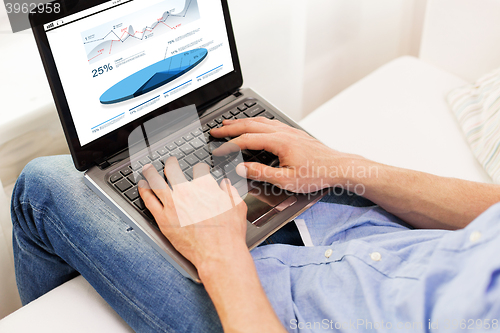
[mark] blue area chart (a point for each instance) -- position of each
(154, 76)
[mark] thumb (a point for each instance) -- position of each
(263, 173)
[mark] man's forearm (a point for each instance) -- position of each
(234, 287)
(424, 200)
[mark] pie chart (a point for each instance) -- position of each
(154, 76)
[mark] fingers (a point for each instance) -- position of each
(227, 148)
(234, 128)
(156, 183)
(173, 172)
(264, 173)
(231, 191)
(270, 142)
(150, 200)
(200, 170)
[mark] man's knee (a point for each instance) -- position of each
(41, 175)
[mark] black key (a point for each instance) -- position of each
(209, 161)
(150, 216)
(140, 204)
(183, 165)
(177, 154)
(164, 159)
(255, 111)
(188, 137)
(187, 149)
(134, 179)
(234, 112)
(219, 119)
(179, 142)
(115, 177)
(136, 166)
(212, 124)
(242, 107)
(198, 132)
(201, 154)
(132, 194)
(189, 173)
(227, 167)
(237, 161)
(268, 115)
(123, 185)
(227, 115)
(126, 171)
(205, 128)
(197, 143)
(171, 146)
(233, 177)
(264, 159)
(246, 155)
(162, 152)
(217, 173)
(145, 161)
(250, 103)
(241, 116)
(191, 159)
(154, 156)
(158, 165)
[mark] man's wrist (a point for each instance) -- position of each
(231, 258)
(354, 170)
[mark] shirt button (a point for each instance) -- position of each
(475, 236)
(328, 253)
(376, 256)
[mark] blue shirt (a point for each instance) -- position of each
(369, 272)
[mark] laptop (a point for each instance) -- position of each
(136, 82)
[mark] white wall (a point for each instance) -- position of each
(300, 54)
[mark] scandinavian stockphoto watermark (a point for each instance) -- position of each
(373, 325)
(311, 178)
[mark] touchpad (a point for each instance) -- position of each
(264, 201)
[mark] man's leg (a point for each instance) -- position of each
(61, 228)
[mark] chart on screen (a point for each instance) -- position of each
(131, 30)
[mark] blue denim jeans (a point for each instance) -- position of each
(62, 229)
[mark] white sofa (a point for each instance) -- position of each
(397, 115)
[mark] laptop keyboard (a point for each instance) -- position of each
(190, 149)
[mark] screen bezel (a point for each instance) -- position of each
(106, 146)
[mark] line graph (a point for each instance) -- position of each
(120, 34)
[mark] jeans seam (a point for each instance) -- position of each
(62, 234)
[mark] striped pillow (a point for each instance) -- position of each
(477, 108)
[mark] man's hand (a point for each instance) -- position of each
(306, 165)
(204, 221)
(423, 200)
(207, 224)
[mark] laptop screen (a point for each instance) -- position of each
(121, 60)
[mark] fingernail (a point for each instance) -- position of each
(146, 167)
(242, 170)
(228, 121)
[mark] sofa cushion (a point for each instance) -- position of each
(399, 116)
(73, 307)
(477, 108)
